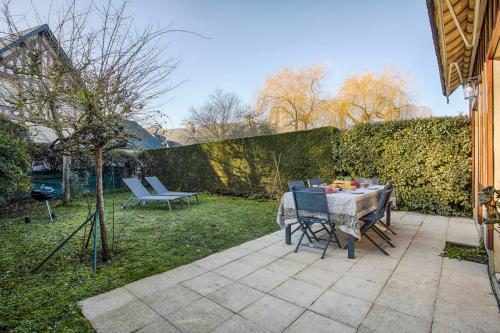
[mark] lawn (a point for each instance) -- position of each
(148, 240)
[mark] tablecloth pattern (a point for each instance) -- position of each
(345, 208)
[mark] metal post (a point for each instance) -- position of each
(62, 244)
(94, 255)
(48, 208)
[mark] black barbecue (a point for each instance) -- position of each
(44, 193)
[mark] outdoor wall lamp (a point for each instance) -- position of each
(471, 88)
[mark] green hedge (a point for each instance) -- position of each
(15, 161)
(429, 159)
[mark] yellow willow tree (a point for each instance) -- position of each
(293, 99)
(371, 97)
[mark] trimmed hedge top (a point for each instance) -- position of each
(429, 160)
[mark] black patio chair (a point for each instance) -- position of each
(313, 182)
(311, 206)
(296, 184)
(370, 220)
(299, 184)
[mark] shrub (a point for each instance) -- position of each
(429, 159)
(42, 154)
(15, 163)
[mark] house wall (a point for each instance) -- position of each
(496, 150)
(11, 85)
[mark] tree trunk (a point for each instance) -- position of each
(66, 183)
(100, 204)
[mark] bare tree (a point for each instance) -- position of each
(102, 71)
(222, 117)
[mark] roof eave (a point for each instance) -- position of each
(44, 28)
(435, 37)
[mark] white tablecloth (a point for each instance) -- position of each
(345, 208)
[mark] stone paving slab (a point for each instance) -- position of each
(298, 292)
(239, 324)
(235, 296)
(263, 286)
(207, 283)
(157, 326)
(104, 303)
(342, 308)
(200, 316)
(171, 299)
(272, 313)
(383, 320)
(317, 277)
(313, 322)
(128, 318)
(463, 233)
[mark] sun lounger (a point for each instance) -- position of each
(141, 195)
(162, 190)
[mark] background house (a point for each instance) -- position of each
(42, 38)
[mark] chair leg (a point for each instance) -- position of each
(304, 231)
(381, 234)
(296, 229)
(327, 244)
(300, 227)
(304, 227)
(312, 233)
(388, 228)
(125, 205)
(169, 207)
(375, 243)
(323, 228)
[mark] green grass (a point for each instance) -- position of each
(148, 240)
(474, 254)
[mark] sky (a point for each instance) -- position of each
(250, 40)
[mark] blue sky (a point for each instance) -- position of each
(250, 40)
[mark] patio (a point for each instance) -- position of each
(263, 286)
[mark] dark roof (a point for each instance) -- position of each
(173, 144)
(15, 39)
(143, 139)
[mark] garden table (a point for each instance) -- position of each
(345, 207)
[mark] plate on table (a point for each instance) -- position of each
(372, 188)
(357, 192)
